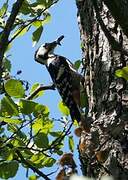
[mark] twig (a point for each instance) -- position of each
(31, 21)
(53, 145)
(40, 88)
(27, 163)
(21, 127)
(7, 30)
(34, 149)
(58, 140)
(53, 172)
(32, 167)
(30, 133)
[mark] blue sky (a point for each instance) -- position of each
(64, 22)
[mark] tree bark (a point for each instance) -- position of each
(104, 151)
(119, 10)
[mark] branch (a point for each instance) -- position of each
(7, 30)
(31, 21)
(40, 88)
(114, 44)
(24, 161)
(34, 169)
(53, 172)
(53, 145)
(58, 140)
(35, 149)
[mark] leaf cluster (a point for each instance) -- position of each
(26, 128)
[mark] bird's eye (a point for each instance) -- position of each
(46, 45)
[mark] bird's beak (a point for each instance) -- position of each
(59, 40)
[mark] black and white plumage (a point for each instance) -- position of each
(65, 77)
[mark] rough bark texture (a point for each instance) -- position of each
(104, 151)
(119, 10)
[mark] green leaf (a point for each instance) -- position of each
(27, 106)
(3, 9)
(8, 169)
(59, 152)
(83, 97)
(7, 64)
(9, 120)
(82, 46)
(44, 2)
(33, 177)
(18, 142)
(77, 64)
(14, 88)
(59, 147)
(63, 108)
(37, 8)
(47, 3)
(25, 8)
(42, 125)
(39, 23)
(21, 31)
(40, 160)
(13, 128)
(71, 143)
(41, 110)
(2, 130)
(47, 19)
(10, 155)
(49, 162)
(36, 35)
(41, 140)
(5, 151)
(37, 159)
(21, 134)
(9, 47)
(8, 107)
(122, 73)
(56, 134)
(34, 87)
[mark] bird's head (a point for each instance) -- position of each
(42, 53)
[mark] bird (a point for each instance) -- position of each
(64, 76)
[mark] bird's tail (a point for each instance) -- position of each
(75, 113)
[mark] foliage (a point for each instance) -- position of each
(39, 143)
(27, 135)
(122, 73)
(63, 108)
(77, 64)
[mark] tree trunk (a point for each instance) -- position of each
(104, 151)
